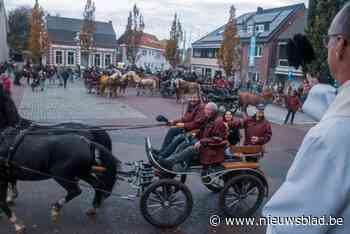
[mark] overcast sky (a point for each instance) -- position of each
(198, 17)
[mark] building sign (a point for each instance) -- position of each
(252, 51)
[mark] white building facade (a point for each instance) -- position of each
(150, 54)
(65, 49)
(4, 49)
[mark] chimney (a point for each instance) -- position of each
(259, 10)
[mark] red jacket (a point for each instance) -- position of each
(193, 118)
(260, 129)
(7, 85)
(293, 103)
(213, 141)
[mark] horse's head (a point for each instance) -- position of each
(267, 94)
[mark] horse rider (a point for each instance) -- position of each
(192, 120)
(209, 146)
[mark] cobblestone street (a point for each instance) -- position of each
(74, 103)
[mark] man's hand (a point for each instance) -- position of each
(171, 122)
(180, 125)
(197, 145)
(255, 139)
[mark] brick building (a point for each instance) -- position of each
(267, 25)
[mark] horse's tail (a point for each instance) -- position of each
(111, 164)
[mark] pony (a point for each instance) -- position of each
(117, 80)
(247, 98)
(183, 87)
(142, 83)
(74, 142)
(103, 84)
(67, 158)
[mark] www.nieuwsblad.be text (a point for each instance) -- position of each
(303, 220)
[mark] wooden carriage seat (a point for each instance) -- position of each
(247, 150)
(236, 165)
(243, 152)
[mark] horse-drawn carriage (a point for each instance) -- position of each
(241, 186)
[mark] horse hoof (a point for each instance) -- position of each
(55, 215)
(91, 213)
(20, 228)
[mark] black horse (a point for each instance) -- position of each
(65, 152)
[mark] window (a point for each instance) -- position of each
(70, 56)
(58, 57)
(97, 60)
(196, 53)
(258, 51)
(259, 28)
(282, 55)
(107, 60)
(255, 76)
(144, 52)
(250, 28)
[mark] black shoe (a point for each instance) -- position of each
(155, 152)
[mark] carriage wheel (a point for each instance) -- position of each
(241, 196)
(166, 203)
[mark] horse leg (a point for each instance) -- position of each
(99, 194)
(13, 193)
(73, 191)
(19, 227)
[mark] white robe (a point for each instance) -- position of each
(318, 182)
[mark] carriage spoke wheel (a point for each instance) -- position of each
(241, 196)
(166, 203)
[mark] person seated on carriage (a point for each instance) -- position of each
(209, 146)
(257, 130)
(193, 119)
(233, 134)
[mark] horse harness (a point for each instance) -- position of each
(11, 138)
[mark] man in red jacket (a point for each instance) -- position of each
(293, 104)
(192, 120)
(210, 143)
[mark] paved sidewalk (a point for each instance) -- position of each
(277, 114)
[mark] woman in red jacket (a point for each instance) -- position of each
(293, 104)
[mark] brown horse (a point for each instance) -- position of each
(103, 84)
(247, 98)
(183, 87)
(142, 83)
(117, 81)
